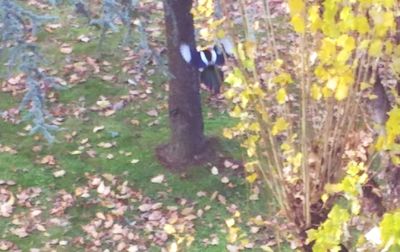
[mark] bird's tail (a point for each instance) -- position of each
(212, 77)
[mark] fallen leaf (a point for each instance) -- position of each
(135, 122)
(103, 103)
(133, 248)
(105, 145)
(102, 189)
(5, 245)
(54, 26)
(152, 112)
(145, 207)
(7, 201)
(230, 222)
(98, 128)
(66, 49)
(214, 170)
(58, 174)
(225, 180)
(173, 247)
(107, 77)
(155, 216)
(227, 163)
(84, 38)
(232, 248)
(158, 179)
(169, 229)
(20, 232)
(135, 161)
(49, 160)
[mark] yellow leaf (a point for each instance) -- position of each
(250, 47)
(250, 166)
(281, 96)
(283, 78)
(313, 17)
(333, 188)
(342, 91)
(324, 197)
(244, 100)
(280, 125)
(347, 19)
(388, 47)
(233, 234)
(326, 92)
(347, 42)
(169, 229)
(235, 78)
(365, 85)
(388, 19)
(364, 44)
(286, 147)
(230, 222)
(251, 178)
(298, 23)
(321, 73)
(221, 34)
(395, 160)
(227, 133)
(296, 160)
(327, 50)
(266, 248)
(316, 93)
(388, 3)
(241, 52)
(361, 23)
(355, 207)
(278, 63)
(254, 127)
(236, 112)
(396, 65)
(296, 6)
(375, 49)
(251, 150)
(343, 56)
(332, 83)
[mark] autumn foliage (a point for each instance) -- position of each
(311, 114)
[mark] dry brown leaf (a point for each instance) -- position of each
(152, 112)
(145, 207)
(49, 160)
(66, 49)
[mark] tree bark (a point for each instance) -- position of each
(188, 143)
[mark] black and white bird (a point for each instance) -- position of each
(208, 62)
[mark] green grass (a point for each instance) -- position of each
(140, 141)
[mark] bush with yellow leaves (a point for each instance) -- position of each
(303, 113)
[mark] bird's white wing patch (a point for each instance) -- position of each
(213, 56)
(203, 58)
(185, 52)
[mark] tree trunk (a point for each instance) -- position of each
(187, 144)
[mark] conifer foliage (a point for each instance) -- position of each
(21, 54)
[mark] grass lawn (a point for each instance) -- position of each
(99, 187)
